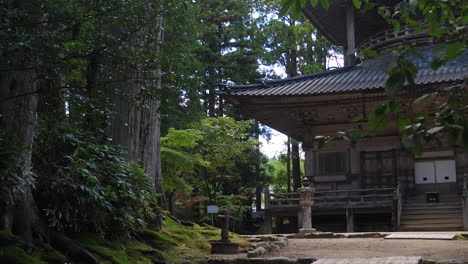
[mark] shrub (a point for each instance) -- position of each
(86, 184)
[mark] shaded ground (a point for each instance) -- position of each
(373, 247)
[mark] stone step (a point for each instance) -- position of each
(431, 227)
(452, 215)
(425, 206)
(456, 221)
(431, 212)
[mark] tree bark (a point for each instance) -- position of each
(296, 168)
(18, 111)
(288, 164)
(259, 187)
(138, 124)
(211, 92)
(50, 97)
(292, 72)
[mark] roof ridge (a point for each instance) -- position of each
(268, 83)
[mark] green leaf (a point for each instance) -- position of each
(285, 6)
(435, 130)
(438, 62)
(371, 53)
(357, 118)
(314, 3)
(394, 83)
(454, 50)
(357, 3)
(377, 118)
(325, 3)
(424, 98)
(402, 123)
(396, 26)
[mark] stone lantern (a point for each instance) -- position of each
(305, 194)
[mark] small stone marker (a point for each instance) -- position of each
(224, 246)
(386, 260)
(225, 228)
(429, 236)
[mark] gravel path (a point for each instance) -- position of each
(373, 247)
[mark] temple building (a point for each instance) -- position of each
(374, 185)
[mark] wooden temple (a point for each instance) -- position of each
(374, 185)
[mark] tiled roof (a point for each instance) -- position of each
(369, 75)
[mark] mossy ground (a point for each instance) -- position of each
(174, 243)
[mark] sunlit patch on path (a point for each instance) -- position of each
(431, 236)
(386, 260)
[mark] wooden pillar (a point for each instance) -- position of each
(279, 224)
(465, 213)
(465, 201)
(267, 219)
(351, 43)
(309, 165)
(349, 220)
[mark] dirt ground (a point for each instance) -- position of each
(373, 247)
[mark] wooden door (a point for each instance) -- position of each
(378, 169)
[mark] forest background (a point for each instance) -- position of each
(110, 109)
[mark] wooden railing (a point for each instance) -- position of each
(284, 200)
(389, 39)
(353, 198)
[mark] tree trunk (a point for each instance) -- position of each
(137, 126)
(150, 144)
(18, 111)
(258, 189)
(211, 92)
(288, 164)
(292, 72)
(296, 168)
(50, 97)
(92, 78)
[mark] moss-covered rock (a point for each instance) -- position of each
(17, 255)
(173, 243)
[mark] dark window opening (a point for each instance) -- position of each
(332, 163)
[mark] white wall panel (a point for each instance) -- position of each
(445, 171)
(424, 172)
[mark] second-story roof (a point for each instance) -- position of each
(367, 76)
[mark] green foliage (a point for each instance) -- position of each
(225, 140)
(179, 159)
(294, 6)
(276, 169)
(403, 73)
(236, 205)
(295, 44)
(16, 255)
(13, 250)
(86, 184)
(174, 243)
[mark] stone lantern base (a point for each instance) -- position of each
(307, 230)
(224, 247)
